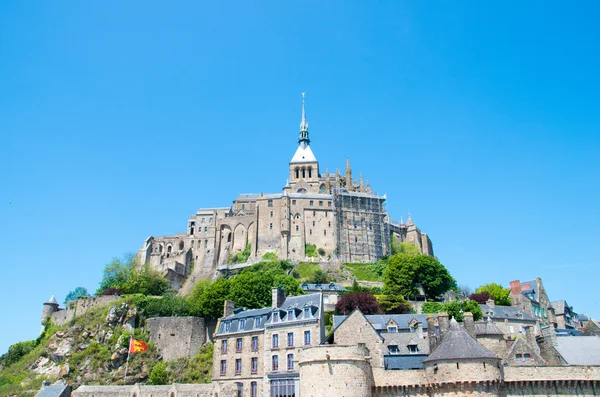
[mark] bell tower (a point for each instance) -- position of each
(304, 167)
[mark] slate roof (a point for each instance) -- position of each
(579, 350)
(582, 317)
(459, 345)
(54, 391)
(568, 332)
(402, 340)
(509, 312)
(379, 321)
(52, 301)
(413, 361)
(322, 287)
(487, 328)
(233, 323)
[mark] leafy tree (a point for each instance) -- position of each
(289, 284)
(16, 352)
(480, 298)
(311, 250)
(365, 301)
(405, 272)
(251, 290)
(321, 252)
(398, 247)
(394, 304)
(319, 277)
(454, 309)
(210, 302)
(166, 306)
(159, 375)
(145, 281)
(499, 294)
(77, 293)
(116, 273)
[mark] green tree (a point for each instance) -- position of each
(210, 302)
(269, 256)
(454, 309)
(311, 250)
(116, 273)
(159, 375)
(394, 304)
(16, 352)
(145, 281)
(432, 307)
(318, 277)
(499, 294)
(77, 293)
(405, 272)
(251, 290)
(398, 247)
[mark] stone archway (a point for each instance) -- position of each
(239, 238)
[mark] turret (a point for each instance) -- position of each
(50, 307)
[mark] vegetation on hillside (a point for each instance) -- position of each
(499, 294)
(454, 309)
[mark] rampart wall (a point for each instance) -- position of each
(177, 337)
(79, 307)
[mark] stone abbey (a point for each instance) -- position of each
(343, 218)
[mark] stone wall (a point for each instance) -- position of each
(175, 390)
(177, 337)
(79, 307)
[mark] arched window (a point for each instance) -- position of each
(309, 172)
(302, 190)
(229, 238)
(303, 172)
(181, 245)
(297, 173)
(322, 189)
(169, 249)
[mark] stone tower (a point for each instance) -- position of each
(50, 307)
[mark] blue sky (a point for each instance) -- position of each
(119, 119)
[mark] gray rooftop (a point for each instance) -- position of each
(487, 328)
(322, 287)
(379, 321)
(52, 301)
(506, 312)
(414, 361)
(579, 350)
(54, 391)
(458, 344)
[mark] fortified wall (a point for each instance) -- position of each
(74, 308)
(179, 337)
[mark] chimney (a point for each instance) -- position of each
(491, 303)
(469, 323)
(431, 333)
(419, 330)
(444, 324)
(277, 297)
(228, 308)
(515, 287)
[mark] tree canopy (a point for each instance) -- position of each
(498, 293)
(77, 293)
(405, 272)
(455, 309)
(365, 301)
(127, 276)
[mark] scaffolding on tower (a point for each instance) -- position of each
(362, 226)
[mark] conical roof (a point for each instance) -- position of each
(459, 345)
(52, 301)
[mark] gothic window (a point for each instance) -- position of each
(310, 172)
(297, 173)
(322, 189)
(303, 172)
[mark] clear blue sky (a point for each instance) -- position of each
(119, 119)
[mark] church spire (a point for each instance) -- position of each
(303, 139)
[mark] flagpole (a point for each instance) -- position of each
(128, 354)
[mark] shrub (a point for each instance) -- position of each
(321, 252)
(480, 297)
(310, 250)
(159, 374)
(16, 352)
(269, 256)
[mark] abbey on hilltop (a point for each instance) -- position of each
(343, 218)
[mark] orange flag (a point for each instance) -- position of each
(136, 346)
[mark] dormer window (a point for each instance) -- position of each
(290, 314)
(257, 322)
(393, 349)
(392, 329)
(275, 317)
(227, 326)
(413, 349)
(242, 324)
(332, 286)
(306, 311)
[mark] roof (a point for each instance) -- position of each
(413, 361)
(403, 340)
(303, 155)
(579, 350)
(459, 345)
(506, 312)
(379, 321)
(55, 391)
(559, 307)
(582, 317)
(322, 287)
(487, 328)
(568, 332)
(248, 196)
(51, 301)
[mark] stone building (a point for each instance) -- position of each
(256, 350)
(531, 297)
(564, 315)
(344, 218)
(330, 291)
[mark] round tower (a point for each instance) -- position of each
(50, 307)
(335, 370)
